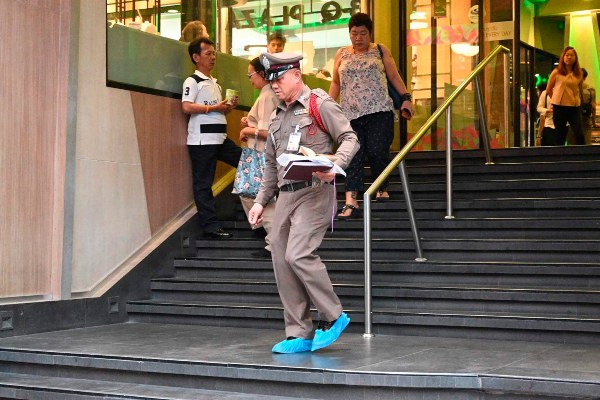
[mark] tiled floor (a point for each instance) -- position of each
(382, 355)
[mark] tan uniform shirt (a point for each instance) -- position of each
(284, 123)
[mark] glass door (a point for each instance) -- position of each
(443, 46)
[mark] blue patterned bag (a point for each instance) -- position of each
(249, 174)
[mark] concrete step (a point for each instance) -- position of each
(460, 227)
(530, 206)
(577, 301)
(494, 274)
(500, 188)
(39, 387)
(388, 321)
(440, 248)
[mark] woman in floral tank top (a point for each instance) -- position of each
(359, 79)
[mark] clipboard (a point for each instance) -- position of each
(302, 170)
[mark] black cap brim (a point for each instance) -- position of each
(278, 72)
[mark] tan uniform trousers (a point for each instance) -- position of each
(267, 217)
(301, 220)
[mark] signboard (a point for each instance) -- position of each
(439, 8)
(498, 31)
(293, 15)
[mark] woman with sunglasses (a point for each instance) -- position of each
(254, 134)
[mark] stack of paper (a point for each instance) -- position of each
(301, 168)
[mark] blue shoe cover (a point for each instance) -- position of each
(325, 338)
(296, 345)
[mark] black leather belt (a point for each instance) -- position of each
(213, 128)
(292, 187)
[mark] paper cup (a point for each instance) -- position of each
(230, 94)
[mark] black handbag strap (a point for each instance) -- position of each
(197, 78)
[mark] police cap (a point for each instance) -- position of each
(277, 64)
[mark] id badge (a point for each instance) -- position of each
(294, 141)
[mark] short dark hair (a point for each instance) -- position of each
(258, 67)
(195, 46)
(585, 73)
(276, 35)
(361, 19)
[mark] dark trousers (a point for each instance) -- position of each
(375, 133)
(204, 164)
(549, 136)
(572, 115)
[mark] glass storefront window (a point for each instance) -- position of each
(317, 29)
(144, 51)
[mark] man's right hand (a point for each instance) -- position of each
(222, 107)
(255, 214)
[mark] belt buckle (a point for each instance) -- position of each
(301, 185)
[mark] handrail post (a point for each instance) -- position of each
(483, 121)
(399, 160)
(367, 239)
(411, 211)
(507, 107)
(449, 210)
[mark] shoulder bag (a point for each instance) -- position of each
(250, 171)
(397, 98)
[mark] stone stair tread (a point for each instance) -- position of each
(457, 263)
(381, 266)
(216, 243)
(490, 314)
(231, 305)
(232, 290)
(49, 387)
(357, 313)
(396, 285)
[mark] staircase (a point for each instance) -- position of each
(519, 260)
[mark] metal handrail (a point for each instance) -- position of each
(399, 161)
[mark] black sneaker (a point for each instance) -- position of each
(259, 233)
(262, 253)
(218, 234)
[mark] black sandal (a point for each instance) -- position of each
(355, 212)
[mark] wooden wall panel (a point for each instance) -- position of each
(162, 131)
(34, 54)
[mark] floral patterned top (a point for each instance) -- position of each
(363, 84)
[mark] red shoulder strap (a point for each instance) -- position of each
(313, 112)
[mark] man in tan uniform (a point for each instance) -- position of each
(303, 211)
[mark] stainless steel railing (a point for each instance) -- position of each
(398, 161)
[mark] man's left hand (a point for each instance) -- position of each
(325, 176)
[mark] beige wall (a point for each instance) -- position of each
(111, 216)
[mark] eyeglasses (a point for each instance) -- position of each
(250, 75)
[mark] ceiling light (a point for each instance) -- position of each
(418, 15)
(418, 25)
(465, 49)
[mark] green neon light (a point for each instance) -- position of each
(263, 28)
